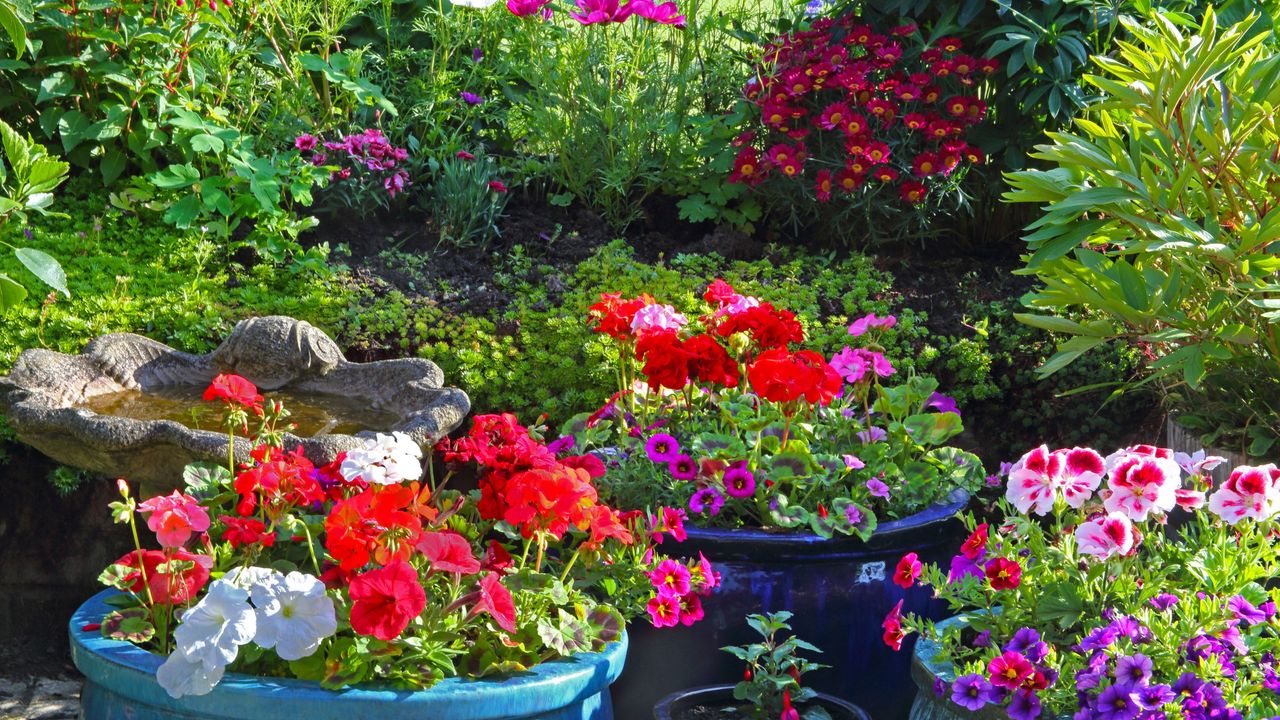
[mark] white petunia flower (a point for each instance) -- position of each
(213, 630)
(180, 676)
(247, 577)
(294, 614)
(384, 460)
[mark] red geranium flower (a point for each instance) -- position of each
(174, 578)
(549, 501)
(781, 376)
(234, 390)
(613, 315)
(373, 526)
(384, 601)
(666, 362)
(768, 326)
(448, 552)
(245, 531)
(710, 362)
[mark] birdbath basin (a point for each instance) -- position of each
(128, 406)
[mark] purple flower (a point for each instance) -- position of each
(707, 500)
(477, 54)
(1133, 670)
(963, 566)
(662, 448)
(471, 98)
(1027, 642)
(562, 444)
(1155, 696)
(739, 482)
(877, 488)
(1245, 611)
(1164, 601)
(305, 142)
(943, 403)
(939, 687)
(1088, 679)
(597, 12)
(853, 462)
(1025, 705)
(1099, 639)
(853, 515)
(26, 232)
(971, 692)
(1116, 703)
(872, 434)
(983, 639)
(683, 468)
(1188, 685)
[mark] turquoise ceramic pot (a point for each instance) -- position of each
(120, 684)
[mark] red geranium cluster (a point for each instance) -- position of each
(850, 109)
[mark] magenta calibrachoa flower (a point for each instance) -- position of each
(1123, 604)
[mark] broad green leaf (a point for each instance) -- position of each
(45, 267)
(11, 293)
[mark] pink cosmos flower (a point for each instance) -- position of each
(599, 12)
(528, 8)
(173, 518)
(869, 322)
(1250, 492)
(664, 14)
(664, 610)
(1140, 484)
(1106, 537)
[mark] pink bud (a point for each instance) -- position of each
(123, 486)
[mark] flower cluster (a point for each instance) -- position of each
(366, 159)
(298, 560)
(725, 413)
(1144, 595)
(848, 109)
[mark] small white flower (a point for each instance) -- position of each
(213, 630)
(294, 614)
(180, 676)
(247, 577)
(384, 460)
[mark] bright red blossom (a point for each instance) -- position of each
(385, 600)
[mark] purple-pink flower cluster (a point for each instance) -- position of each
(364, 153)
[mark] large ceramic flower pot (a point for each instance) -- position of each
(927, 668)
(838, 589)
(120, 684)
(711, 701)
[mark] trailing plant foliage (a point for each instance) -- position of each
(1159, 213)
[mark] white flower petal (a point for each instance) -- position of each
(180, 676)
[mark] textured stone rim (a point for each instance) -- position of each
(41, 396)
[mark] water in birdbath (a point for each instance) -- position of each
(313, 414)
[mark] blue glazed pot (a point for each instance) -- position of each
(120, 684)
(839, 590)
(718, 698)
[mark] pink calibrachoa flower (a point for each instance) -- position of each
(690, 609)
(1009, 670)
(664, 14)
(1250, 492)
(174, 518)
(908, 571)
(664, 610)
(599, 12)
(1140, 484)
(305, 142)
(1107, 536)
(670, 578)
(739, 482)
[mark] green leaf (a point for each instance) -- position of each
(13, 27)
(11, 293)
(113, 163)
(175, 176)
(203, 479)
(1060, 603)
(568, 636)
(57, 85)
(130, 625)
(45, 267)
(206, 143)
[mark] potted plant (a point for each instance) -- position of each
(1117, 588)
(362, 588)
(801, 478)
(770, 686)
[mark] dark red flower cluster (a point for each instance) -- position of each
(782, 376)
(768, 327)
(671, 362)
(853, 103)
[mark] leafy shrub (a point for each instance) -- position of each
(28, 177)
(1159, 216)
(855, 130)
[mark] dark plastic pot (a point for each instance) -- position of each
(715, 697)
(838, 589)
(120, 684)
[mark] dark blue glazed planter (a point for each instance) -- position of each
(839, 591)
(719, 698)
(120, 684)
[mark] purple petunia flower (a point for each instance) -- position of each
(939, 687)
(853, 515)
(1116, 703)
(662, 448)
(1164, 601)
(872, 434)
(477, 54)
(1133, 670)
(1025, 705)
(971, 692)
(1027, 642)
(1245, 611)
(707, 500)
(943, 403)
(877, 488)
(983, 639)
(963, 566)
(1154, 697)
(562, 444)
(471, 98)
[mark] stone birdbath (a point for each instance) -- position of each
(128, 406)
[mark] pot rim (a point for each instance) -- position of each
(709, 691)
(916, 530)
(129, 671)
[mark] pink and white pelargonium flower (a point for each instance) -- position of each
(1040, 477)
(1250, 492)
(1107, 537)
(657, 318)
(1141, 483)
